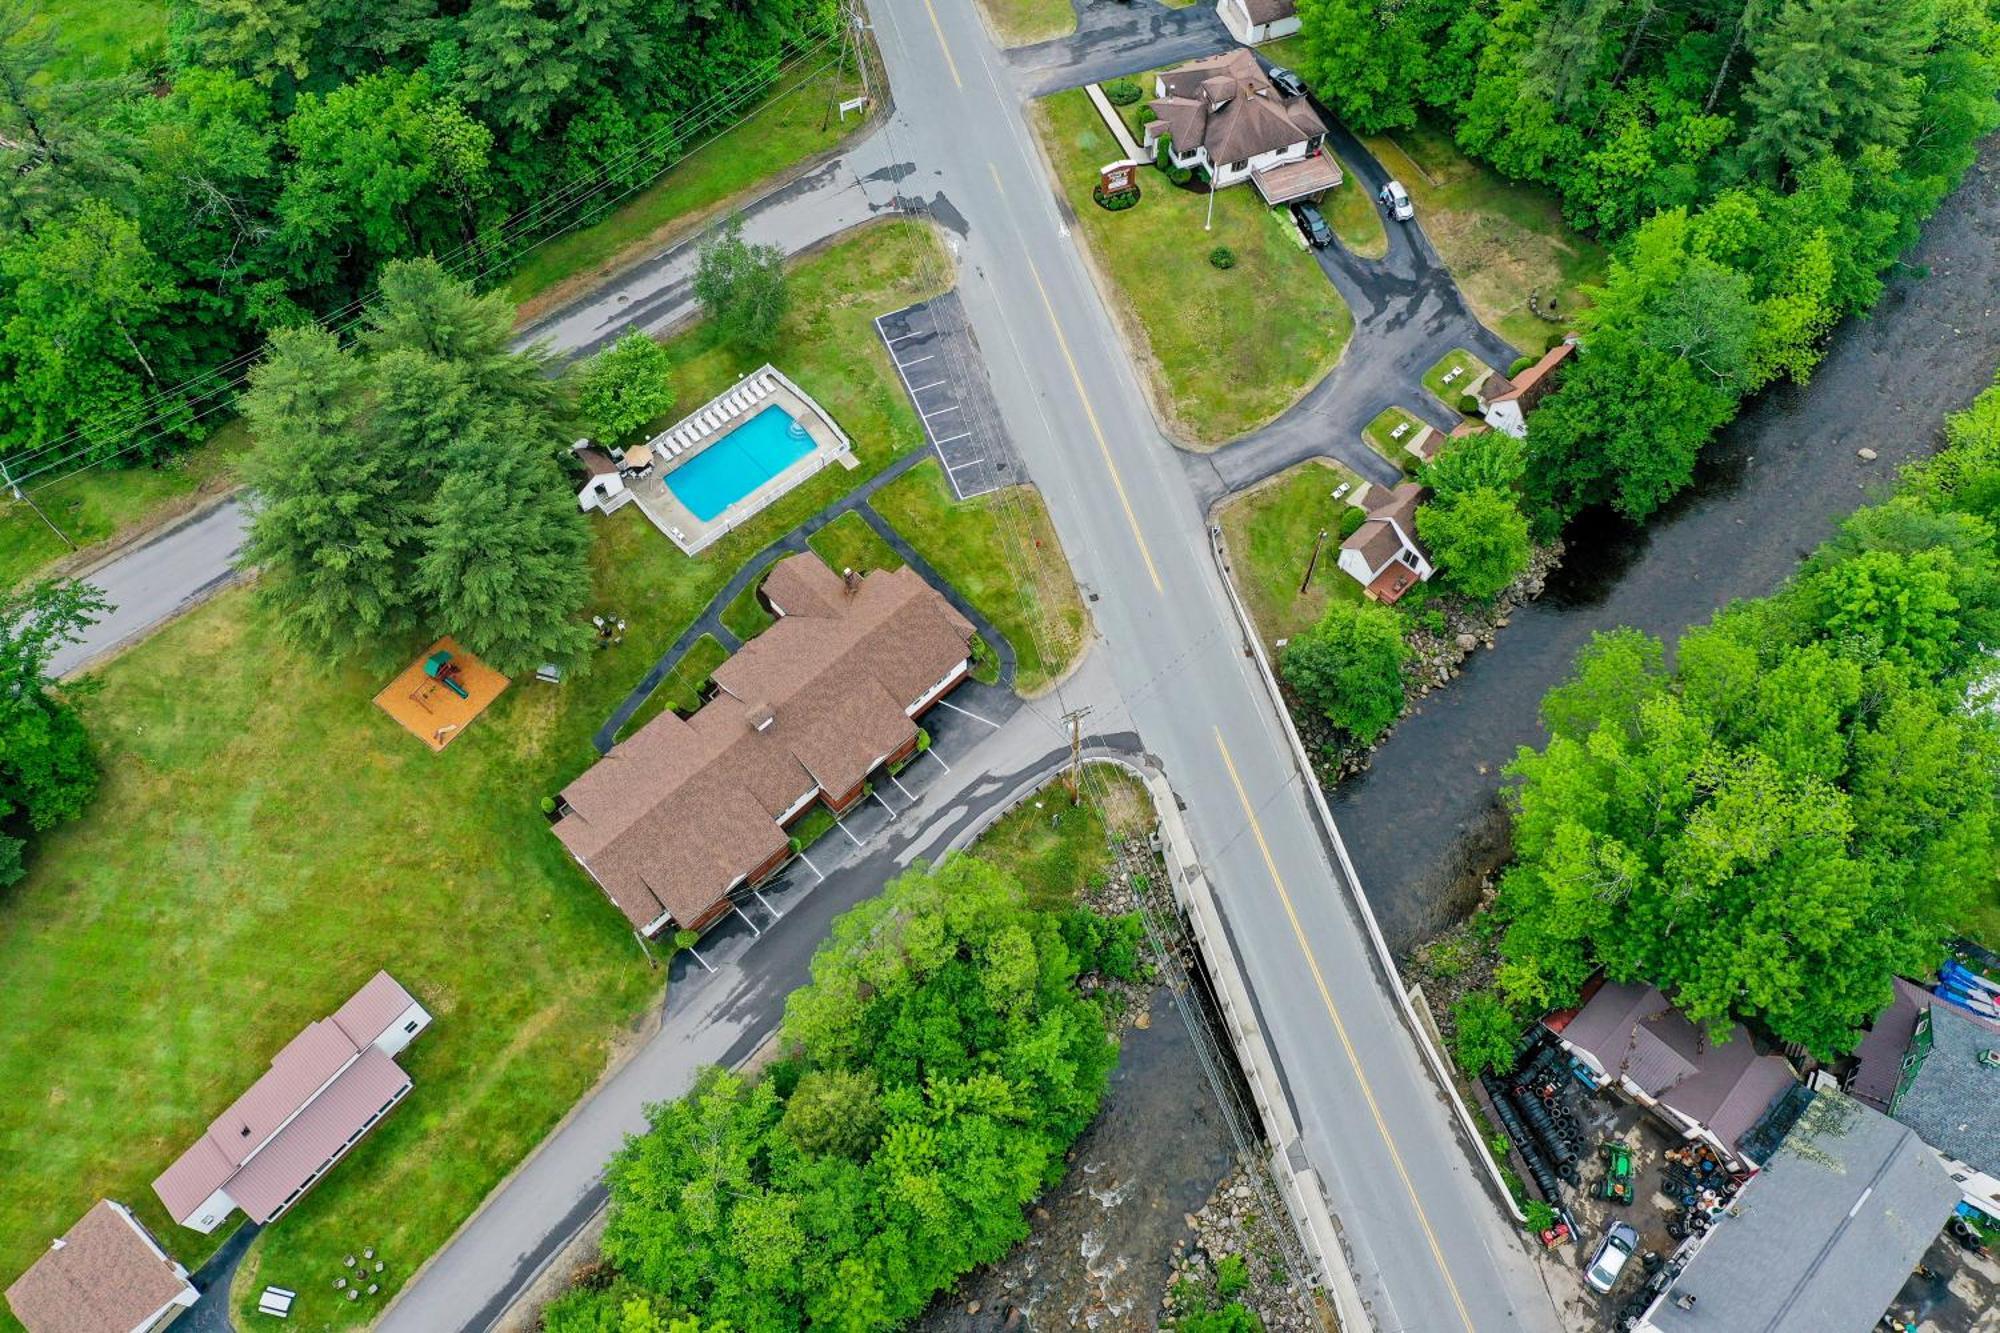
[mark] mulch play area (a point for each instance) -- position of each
(423, 699)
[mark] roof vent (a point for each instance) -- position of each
(761, 717)
(1990, 1058)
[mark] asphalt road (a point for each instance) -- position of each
(157, 579)
(1426, 1240)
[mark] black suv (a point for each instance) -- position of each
(1286, 82)
(1313, 226)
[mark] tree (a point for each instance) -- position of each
(1359, 59)
(1834, 77)
(1478, 539)
(742, 287)
(47, 774)
(412, 482)
(1349, 667)
(1490, 459)
(1488, 1034)
(624, 387)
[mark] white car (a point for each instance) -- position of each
(1613, 1253)
(1397, 200)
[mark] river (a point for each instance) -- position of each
(1423, 821)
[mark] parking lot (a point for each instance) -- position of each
(940, 367)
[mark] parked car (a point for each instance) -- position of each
(1312, 225)
(1286, 82)
(1613, 1253)
(1397, 200)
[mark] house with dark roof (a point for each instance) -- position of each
(1224, 117)
(106, 1274)
(688, 811)
(1254, 21)
(1631, 1037)
(1819, 1241)
(1382, 555)
(1505, 402)
(327, 1088)
(1944, 1084)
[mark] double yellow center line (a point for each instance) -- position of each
(1340, 1029)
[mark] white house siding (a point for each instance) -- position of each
(929, 696)
(213, 1209)
(1506, 417)
(1980, 1190)
(1236, 17)
(404, 1030)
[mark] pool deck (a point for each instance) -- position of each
(678, 522)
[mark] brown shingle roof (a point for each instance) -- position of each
(1376, 541)
(1226, 105)
(670, 819)
(321, 1130)
(105, 1276)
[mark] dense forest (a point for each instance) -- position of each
(255, 173)
(1803, 806)
(1759, 164)
(934, 1074)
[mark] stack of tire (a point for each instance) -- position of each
(1537, 1115)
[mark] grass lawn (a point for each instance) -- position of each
(104, 503)
(1354, 217)
(1502, 240)
(1269, 533)
(745, 616)
(683, 684)
(1000, 551)
(1020, 22)
(266, 837)
(1470, 368)
(1224, 350)
(1054, 847)
(1380, 435)
(778, 135)
(94, 38)
(849, 543)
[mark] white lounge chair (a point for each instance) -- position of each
(759, 390)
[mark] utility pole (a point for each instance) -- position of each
(7, 478)
(1312, 562)
(853, 30)
(1074, 719)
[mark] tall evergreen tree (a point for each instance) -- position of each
(1834, 77)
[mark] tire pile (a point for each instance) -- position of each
(1535, 1111)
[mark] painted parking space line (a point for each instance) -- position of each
(932, 752)
(934, 384)
(901, 788)
(850, 837)
(776, 915)
(953, 439)
(905, 365)
(699, 959)
(946, 703)
(744, 917)
(815, 869)
(948, 407)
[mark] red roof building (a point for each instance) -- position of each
(329, 1086)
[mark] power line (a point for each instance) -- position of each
(573, 198)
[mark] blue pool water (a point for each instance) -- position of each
(753, 452)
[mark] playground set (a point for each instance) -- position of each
(437, 696)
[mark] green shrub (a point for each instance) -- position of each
(1351, 519)
(1180, 175)
(796, 845)
(548, 804)
(1349, 668)
(1541, 1216)
(1163, 148)
(686, 939)
(1222, 257)
(1231, 1318)
(1488, 1034)
(1123, 92)
(923, 740)
(1520, 364)
(1232, 1275)
(1146, 116)
(1469, 404)
(1114, 203)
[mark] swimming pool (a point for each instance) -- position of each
(753, 452)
